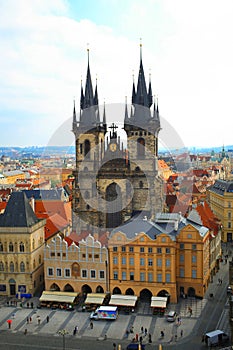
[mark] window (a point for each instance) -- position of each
(181, 272)
(58, 272)
(40, 259)
(159, 277)
(92, 273)
(123, 276)
(123, 260)
(194, 259)
(142, 262)
(22, 267)
(189, 235)
(181, 245)
(101, 274)
(159, 262)
(50, 271)
(150, 250)
(21, 247)
(33, 244)
(1, 266)
(142, 276)
(1, 247)
(229, 224)
(141, 249)
(150, 262)
(168, 277)
(67, 273)
(168, 251)
(141, 147)
(87, 148)
(140, 184)
(84, 273)
(96, 256)
(168, 262)
(115, 249)
(163, 239)
(229, 204)
(182, 258)
(194, 246)
(229, 215)
(115, 260)
(159, 250)
(131, 276)
(12, 266)
(194, 273)
(123, 249)
(11, 247)
(115, 275)
(131, 249)
(150, 277)
(131, 261)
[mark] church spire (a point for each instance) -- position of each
(126, 110)
(89, 97)
(96, 99)
(141, 94)
(150, 97)
(74, 118)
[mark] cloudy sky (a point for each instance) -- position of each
(187, 48)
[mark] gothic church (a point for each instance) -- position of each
(114, 184)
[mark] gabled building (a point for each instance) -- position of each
(21, 248)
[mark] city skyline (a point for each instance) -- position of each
(185, 49)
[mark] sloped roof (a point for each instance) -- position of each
(18, 212)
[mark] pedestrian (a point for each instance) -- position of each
(142, 329)
(145, 331)
(47, 318)
(27, 320)
(38, 321)
(136, 337)
(27, 305)
(131, 329)
(91, 325)
(105, 337)
(162, 334)
(181, 333)
(127, 333)
(74, 331)
(25, 331)
(140, 340)
(32, 305)
(76, 328)
(149, 338)
(30, 319)
(114, 346)
(175, 337)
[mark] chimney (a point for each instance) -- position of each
(32, 202)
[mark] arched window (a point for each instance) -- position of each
(33, 244)
(1, 247)
(39, 259)
(1, 266)
(12, 267)
(21, 247)
(34, 264)
(87, 148)
(11, 247)
(140, 184)
(22, 267)
(141, 147)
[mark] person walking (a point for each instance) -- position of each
(25, 331)
(47, 318)
(149, 338)
(145, 331)
(27, 320)
(91, 325)
(181, 333)
(38, 321)
(74, 331)
(142, 329)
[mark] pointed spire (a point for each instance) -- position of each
(96, 99)
(126, 109)
(133, 91)
(74, 118)
(89, 97)
(82, 96)
(141, 94)
(150, 97)
(104, 118)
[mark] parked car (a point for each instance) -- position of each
(171, 317)
(229, 290)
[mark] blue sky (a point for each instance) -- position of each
(187, 47)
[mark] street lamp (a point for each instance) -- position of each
(63, 332)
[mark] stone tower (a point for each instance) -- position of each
(112, 184)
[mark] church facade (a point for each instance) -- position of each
(114, 183)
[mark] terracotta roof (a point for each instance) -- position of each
(54, 224)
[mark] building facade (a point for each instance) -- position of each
(80, 267)
(21, 248)
(220, 196)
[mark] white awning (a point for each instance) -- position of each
(158, 302)
(123, 300)
(95, 298)
(59, 297)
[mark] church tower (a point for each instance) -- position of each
(89, 134)
(142, 128)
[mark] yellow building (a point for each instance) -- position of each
(220, 197)
(21, 247)
(168, 257)
(11, 176)
(71, 267)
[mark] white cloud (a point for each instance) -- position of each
(187, 45)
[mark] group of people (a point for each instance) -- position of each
(138, 338)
